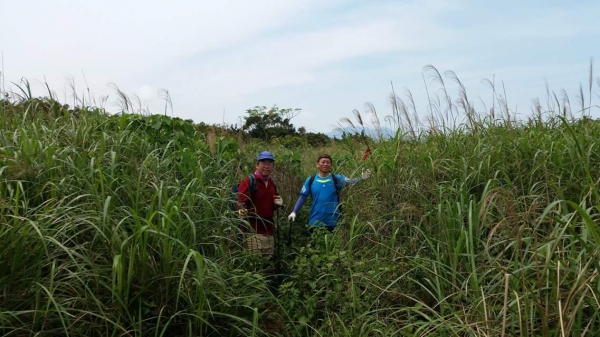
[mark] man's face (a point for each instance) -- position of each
(324, 165)
(265, 167)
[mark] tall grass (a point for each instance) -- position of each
(487, 226)
(473, 224)
(106, 233)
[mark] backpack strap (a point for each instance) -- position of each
(252, 183)
(337, 186)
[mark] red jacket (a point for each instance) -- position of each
(260, 205)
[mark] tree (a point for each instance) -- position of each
(265, 123)
(317, 139)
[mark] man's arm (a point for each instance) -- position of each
(244, 197)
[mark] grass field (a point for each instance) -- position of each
(476, 224)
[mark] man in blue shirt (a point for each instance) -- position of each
(324, 189)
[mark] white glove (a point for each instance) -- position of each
(292, 216)
(243, 213)
(366, 174)
(278, 201)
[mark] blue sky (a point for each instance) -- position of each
(218, 59)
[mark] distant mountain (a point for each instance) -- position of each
(386, 132)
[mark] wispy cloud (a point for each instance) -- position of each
(327, 58)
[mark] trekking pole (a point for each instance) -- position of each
(290, 223)
(277, 235)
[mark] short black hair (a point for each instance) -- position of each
(324, 156)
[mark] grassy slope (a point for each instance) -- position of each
(119, 226)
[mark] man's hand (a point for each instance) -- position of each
(278, 201)
(366, 174)
(292, 216)
(243, 213)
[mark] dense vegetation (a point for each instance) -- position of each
(118, 225)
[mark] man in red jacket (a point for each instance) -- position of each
(258, 206)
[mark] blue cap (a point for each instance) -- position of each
(265, 156)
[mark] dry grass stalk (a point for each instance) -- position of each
(212, 139)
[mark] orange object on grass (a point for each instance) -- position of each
(366, 154)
